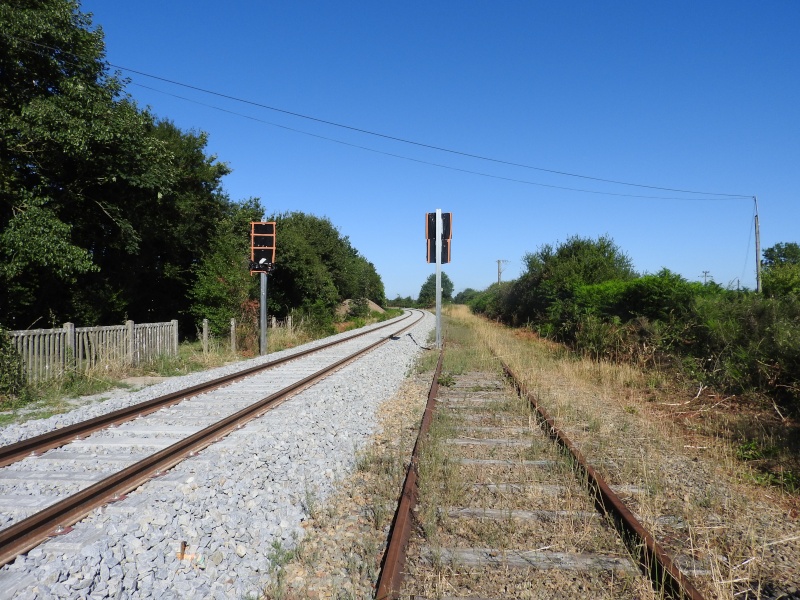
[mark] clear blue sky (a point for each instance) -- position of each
(692, 95)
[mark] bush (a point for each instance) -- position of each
(12, 375)
(747, 342)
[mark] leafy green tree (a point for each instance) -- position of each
(465, 296)
(72, 151)
(782, 254)
(103, 211)
(317, 267)
(402, 302)
(543, 292)
(781, 275)
(224, 288)
(427, 293)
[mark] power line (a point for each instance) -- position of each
(412, 142)
(421, 144)
(426, 162)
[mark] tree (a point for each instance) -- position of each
(782, 254)
(427, 293)
(781, 276)
(103, 210)
(223, 288)
(465, 296)
(317, 267)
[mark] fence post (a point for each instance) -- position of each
(131, 343)
(233, 336)
(205, 336)
(174, 323)
(70, 358)
(289, 324)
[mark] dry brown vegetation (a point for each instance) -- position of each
(702, 502)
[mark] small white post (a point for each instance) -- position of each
(174, 323)
(131, 332)
(70, 358)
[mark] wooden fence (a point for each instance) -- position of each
(48, 353)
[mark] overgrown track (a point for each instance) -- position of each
(54, 439)
(29, 532)
(498, 500)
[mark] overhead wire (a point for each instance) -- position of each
(721, 195)
(421, 144)
(426, 162)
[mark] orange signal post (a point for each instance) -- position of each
(262, 260)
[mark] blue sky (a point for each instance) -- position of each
(701, 96)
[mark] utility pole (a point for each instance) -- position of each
(500, 262)
(758, 249)
(705, 276)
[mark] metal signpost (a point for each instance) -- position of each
(439, 232)
(439, 278)
(262, 260)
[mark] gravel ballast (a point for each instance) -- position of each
(211, 527)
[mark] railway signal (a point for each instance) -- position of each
(438, 232)
(262, 260)
(262, 246)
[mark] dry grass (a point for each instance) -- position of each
(534, 476)
(696, 496)
(345, 535)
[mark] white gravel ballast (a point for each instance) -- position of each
(208, 527)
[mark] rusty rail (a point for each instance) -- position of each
(30, 532)
(391, 577)
(656, 563)
(54, 439)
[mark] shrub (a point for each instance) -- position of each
(12, 376)
(748, 341)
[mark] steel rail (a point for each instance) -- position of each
(653, 559)
(53, 439)
(30, 532)
(394, 559)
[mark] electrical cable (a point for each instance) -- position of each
(749, 239)
(425, 162)
(417, 343)
(421, 144)
(411, 142)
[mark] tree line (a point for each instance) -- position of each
(585, 293)
(108, 212)
(427, 294)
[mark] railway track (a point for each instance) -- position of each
(36, 445)
(62, 479)
(504, 512)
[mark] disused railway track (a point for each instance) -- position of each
(497, 491)
(29, 532)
